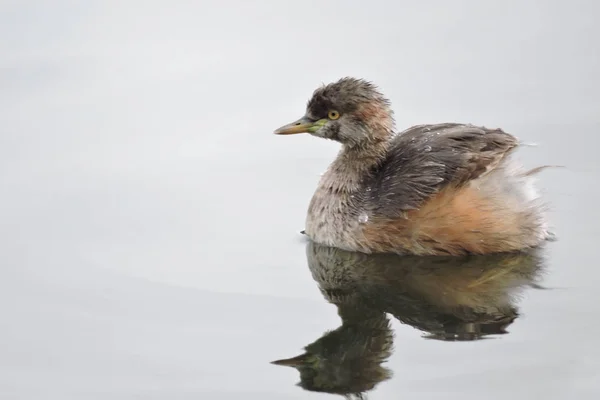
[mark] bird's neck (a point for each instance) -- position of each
(352, 164)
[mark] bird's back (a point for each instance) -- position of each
(451, 189)
(426, 158)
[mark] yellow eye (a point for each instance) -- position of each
(333, 114)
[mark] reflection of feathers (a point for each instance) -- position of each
(450, 298)
(436, 294)
(348, 359)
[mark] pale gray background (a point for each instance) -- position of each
(149, 235)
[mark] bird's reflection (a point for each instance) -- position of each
(448, 298)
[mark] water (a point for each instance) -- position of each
(150, 237)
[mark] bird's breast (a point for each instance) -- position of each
(332, 220)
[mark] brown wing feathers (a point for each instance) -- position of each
(425, 158)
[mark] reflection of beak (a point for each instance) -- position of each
(303, 125)
(298, 361)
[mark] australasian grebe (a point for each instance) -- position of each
(433, 189)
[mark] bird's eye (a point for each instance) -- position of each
(333, 114)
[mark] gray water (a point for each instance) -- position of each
(150, 244)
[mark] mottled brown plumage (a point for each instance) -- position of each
(432, 189)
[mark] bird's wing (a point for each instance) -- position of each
(425, 158)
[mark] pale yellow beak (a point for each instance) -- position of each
(303, 125)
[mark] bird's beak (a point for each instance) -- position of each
(297, 361)
(303, 125)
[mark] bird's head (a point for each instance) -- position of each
(351, 111)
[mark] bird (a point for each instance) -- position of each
(432, 189)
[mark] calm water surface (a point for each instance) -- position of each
(150, 240)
